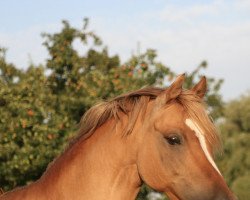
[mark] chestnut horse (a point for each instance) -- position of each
(162, 137)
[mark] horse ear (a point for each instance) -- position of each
(200, 88)
(174, 90)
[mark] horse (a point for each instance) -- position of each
(161, 137)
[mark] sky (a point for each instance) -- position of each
(184, 33)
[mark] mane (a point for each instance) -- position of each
(132, 103)
(129, 104)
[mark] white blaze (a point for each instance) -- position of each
(200, 135)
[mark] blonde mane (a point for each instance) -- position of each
(131, 104)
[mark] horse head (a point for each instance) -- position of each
(178, 140)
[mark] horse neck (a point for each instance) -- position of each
(100, 167)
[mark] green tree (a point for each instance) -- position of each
(64, 60)
(8, 72)
(31, 130)
(236, 136)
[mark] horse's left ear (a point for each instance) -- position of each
(200, 88)
(172, 92)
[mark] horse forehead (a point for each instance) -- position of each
(174, 114)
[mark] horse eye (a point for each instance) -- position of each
(174, 140)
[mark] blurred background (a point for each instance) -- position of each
(58, 58)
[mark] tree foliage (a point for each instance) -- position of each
(236, 135)
(41, 106)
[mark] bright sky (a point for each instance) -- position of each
(183, 32)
